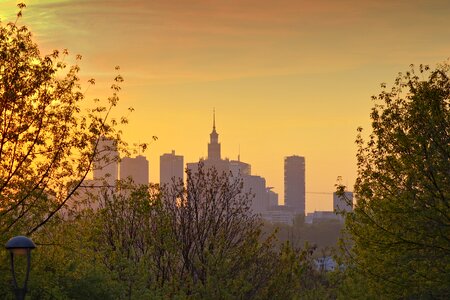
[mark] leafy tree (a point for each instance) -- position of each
(199, 242)
(46, 140)
(400, 228)
(211, 218)
(123, 235)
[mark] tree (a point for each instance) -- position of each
(217, 234)
(124, 236)
(47, 142)
(196, 241)
(400, 228)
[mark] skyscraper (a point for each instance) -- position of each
(214, 145)
(272, 197)
(105, 171)
(239, 168)
(105, 167)
(214, 159)
(256, 186)
(253, 185)
(170, 167)
(344, 203)
(136, 168)
(294, 183)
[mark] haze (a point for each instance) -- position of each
(285, 77)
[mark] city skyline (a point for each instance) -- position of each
(289, 77)
(171, 170)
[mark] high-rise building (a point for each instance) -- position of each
(256, 187)
(136, 168)
(105, 166)
(294, 183)
(239, 168)
(272, 197)
(214, 145)
(343, 203)
(214, 159)
(170, 168)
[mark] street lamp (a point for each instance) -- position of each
(20, 245)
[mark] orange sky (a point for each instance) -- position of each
(285, 76)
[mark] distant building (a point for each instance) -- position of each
(279, 214)
(136, 168)
(86, 196)
(322, 216)
(256, 186)
(272, 197)
(105, 171)
(239, 168)
(344, 203)
(106, 163)
(214, 145)
(214, 159)
(294, 183)
(170, 168)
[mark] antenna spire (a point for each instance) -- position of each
(214, 118)
(239, 153)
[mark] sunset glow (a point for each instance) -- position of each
(285, 77)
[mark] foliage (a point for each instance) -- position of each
(123, 235)
(400, 227)
(195, 242)
(46, 140)
(65, 264)
(198, 241)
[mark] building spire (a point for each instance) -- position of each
(239, 153)
(214, 145)
(214, 118)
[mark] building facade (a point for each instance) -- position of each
(106, 163)
(135, 168)
(171, 168)
(255, 186)
(279, 214)
(343, 203)
(294, 183)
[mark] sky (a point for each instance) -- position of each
(286, 77)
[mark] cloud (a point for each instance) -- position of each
(216, 39)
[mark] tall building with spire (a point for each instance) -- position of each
(253, 185)
(214, 159)
(214, 145)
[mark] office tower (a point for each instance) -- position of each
(272, 197)
(344, 203)
(239, 168)
(294, 183)
(256, 187)
(105, 166)
(135, 168)
(170, 168)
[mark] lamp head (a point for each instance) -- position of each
(20, 245)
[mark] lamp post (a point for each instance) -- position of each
(20, 245)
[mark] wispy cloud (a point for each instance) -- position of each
(198, 39)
